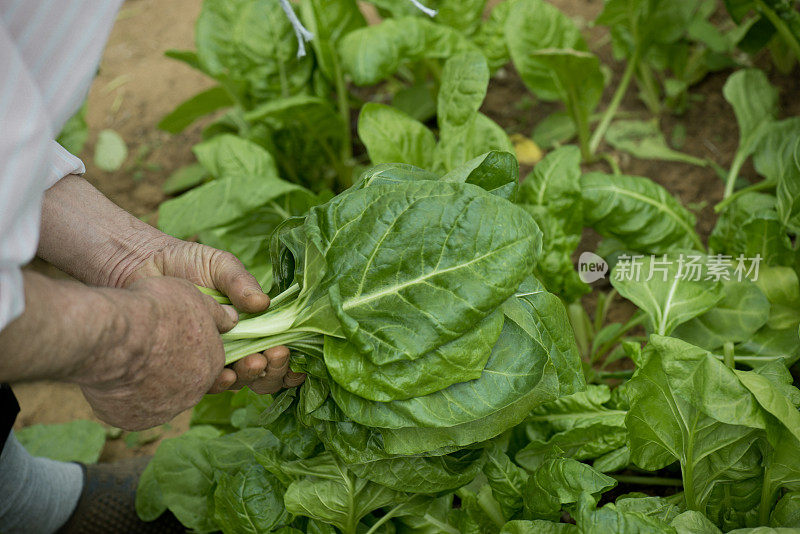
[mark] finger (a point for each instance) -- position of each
(224, 381)
(292, 379)
(277, 367)
(230, 277)
(223, 318)
(248, 369)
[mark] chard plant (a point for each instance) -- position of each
(456, 379)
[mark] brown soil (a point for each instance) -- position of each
(137, 85)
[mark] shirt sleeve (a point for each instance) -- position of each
(45, 73)
(62, 164)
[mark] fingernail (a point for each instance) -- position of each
(232, 313)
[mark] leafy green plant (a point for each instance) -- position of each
(776, 22)
(553, 60)
(436, 312)
(77, 441)
(464, 133)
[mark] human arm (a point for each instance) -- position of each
(141, 355)
(89, 237)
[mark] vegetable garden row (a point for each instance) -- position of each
(457, 381)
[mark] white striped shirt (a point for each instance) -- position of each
(49, 53)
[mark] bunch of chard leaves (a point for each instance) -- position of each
(446, 379)
(413, 360)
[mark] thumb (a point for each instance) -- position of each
(230, 276)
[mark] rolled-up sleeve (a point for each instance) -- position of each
(62, 164)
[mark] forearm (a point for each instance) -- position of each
(89, 237)
(67, 332)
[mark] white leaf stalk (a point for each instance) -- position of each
(428, 11)
(300, 31)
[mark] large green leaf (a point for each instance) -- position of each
(464, 132)
(534, 25)
(440, 287)
(250, 48)
(495, 171)
(373, 53)
(246, 178)
(465, 78)
(507, 481)
(330, 21)
(664, 287)
(755, 104)
(537, 321)
(750, 226)
(584, 443)
(560, 481)
(391, 136)
(195, 107)
(742, 311)
(76, 441)
(577, 81)
(555, 184)
(687, 406)
(644, 140)
(249, 502)
(504, 380)
(638, 212)
(460, 360)
(491, 36)
(336, 496)
(304, 134)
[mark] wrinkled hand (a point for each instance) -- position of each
(167, 357)
(264, 373)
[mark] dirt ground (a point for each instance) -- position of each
(137, 85)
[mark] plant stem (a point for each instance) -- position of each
(213, 293)
(238, 349)
(616, 100)
(627, 327)
(760, 186)
(780, 25)
(344, 110)
(687, 474)
(581, 123)
(386, 517)
(608, 158)
(764, 507)
(647, 84)
(727, 355)
(733, 173)
(648, 481)
(288, 293)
